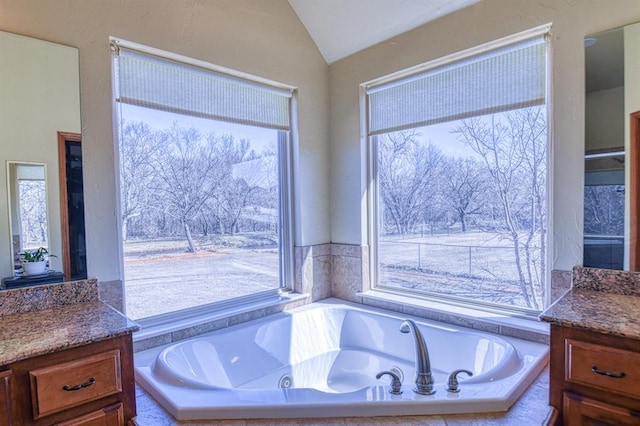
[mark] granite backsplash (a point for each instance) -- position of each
(47, 296)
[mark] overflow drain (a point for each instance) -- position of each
(285, 382)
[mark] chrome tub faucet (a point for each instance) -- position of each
(424, 378)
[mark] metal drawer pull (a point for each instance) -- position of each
(78, 387)
(606, 373)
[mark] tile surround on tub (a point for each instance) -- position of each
(313, 271)
(151, 342)
(518, 328)
(346, 277)
(349, 271)
(142, 342)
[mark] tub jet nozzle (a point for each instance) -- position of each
(285, 382)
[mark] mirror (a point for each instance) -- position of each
(28, 222)
(610, 195)
(39, 102)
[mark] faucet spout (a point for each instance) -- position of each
(424, 379)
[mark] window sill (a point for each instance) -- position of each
(224, 317)
(493, 322)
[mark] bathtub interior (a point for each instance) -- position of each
(329, 349)
(248, 355)
(321, 360)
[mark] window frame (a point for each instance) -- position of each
(370, 144)
(286, 141)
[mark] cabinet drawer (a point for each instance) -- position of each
(580, 411)
(108, 416)
(69, 384)
(609, 369)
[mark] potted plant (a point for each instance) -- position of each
(34, 262)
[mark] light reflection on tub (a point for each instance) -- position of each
(321, 361)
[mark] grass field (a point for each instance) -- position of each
(475, 265)
(161, 276)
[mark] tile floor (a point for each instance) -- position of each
(531, 409)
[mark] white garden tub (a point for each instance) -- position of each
(321, 360)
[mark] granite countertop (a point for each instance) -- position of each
(607, 313)
(601, 300)
(29, 334)
(42, 319)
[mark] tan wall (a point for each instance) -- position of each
(604, 119)
(261, 37)
(488, 20)
(264, 37)
(39, 96)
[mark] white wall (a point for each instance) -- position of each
(39, 96)
(261, 37)
(487, 20)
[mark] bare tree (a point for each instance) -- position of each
(138, 145)
(233, 198)
(187, 174)
(514, 155)
(234, 193)
(604, 210)
(529, 133)
(32, 199)
(465, 190)
(408, 172)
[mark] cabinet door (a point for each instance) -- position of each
(112, 415)
(579, 411)
(5, 398)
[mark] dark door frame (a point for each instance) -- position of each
(63, 137)
(634, 189)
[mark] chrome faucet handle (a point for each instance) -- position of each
(395, 387)
(452, 383)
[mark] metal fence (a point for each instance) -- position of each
(497, 262)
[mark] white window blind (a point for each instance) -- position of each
(157, 82)
(500, 79)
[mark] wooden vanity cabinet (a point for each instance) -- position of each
(594, 378)
(5, 398)
(90, 385)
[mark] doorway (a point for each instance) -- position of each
(74, 254)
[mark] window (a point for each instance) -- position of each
(459, 165)
(205, 186)
(32, 204)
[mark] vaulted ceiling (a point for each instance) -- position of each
(343, 27)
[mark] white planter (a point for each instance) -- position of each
(34, 268)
